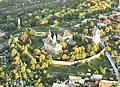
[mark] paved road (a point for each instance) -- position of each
(112, 64)
(110, 60)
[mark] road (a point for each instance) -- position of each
(112, 64)
(110, 60)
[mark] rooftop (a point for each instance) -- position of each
(65, 33)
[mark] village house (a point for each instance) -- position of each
(104, 22)
(117, 16)
(106, 83)
(76, 79)
(96, 77)
(63, 85)
(51, 45)
(90, 84)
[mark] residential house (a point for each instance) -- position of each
(117, 16)
(58, 85)
(106, 83)
(96, 77)
(71, 85)
(104, 22)
(76, 79)
(63, 85)
(90, 84)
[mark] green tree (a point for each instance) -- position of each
(108, 48)
(32, 32)
(118, 59)
(114, 85)
(42, 58)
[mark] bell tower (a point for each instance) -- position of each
(50, 35)
(96, 35)
(54, 39)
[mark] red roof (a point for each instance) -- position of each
(105, 83)
(107, 21)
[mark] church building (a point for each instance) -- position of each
(51, 45)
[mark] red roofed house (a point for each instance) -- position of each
(105, 83)
(105, 22)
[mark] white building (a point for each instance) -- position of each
(77, 79)
(63, 85)
(51, 45)
(58, 85)
(96, 35)
(96, 77)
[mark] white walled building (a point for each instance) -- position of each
(96, 35)
(51, 45)
(58, 85)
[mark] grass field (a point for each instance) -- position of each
(36, 42)
(94, 64)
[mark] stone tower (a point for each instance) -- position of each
(96, 35)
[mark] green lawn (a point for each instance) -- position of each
(36, 42)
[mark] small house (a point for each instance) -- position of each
(76, 79)
(104, 22)
(63, 85)
(117, 16)
(106, 83)
(96, 77)
(58, 85)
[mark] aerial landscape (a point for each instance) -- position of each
(59, 43)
